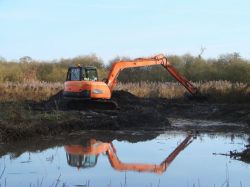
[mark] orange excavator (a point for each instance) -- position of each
(86, 156)
(82, 82)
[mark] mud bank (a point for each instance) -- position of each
(153, 108)
(55, 116)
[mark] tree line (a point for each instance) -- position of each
(230, 67)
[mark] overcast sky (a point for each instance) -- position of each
(53, 29)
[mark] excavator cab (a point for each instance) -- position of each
(81, 161)
(82, 84)
(79, 73)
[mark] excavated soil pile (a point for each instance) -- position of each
(131, 111)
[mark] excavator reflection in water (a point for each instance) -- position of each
(86, 156)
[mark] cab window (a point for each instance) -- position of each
(74, 74)
(91, 74)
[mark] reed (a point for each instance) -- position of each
(34, 90)
(218, 91)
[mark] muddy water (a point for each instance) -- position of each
(170, 159)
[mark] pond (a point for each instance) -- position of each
(170, 158)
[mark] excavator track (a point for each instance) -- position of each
(89, 104)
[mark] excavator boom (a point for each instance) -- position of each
(117, 67)
(118, 165)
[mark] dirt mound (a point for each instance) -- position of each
(122, 99)
(55, 102)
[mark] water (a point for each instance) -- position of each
(194, 165)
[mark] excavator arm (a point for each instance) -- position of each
(117, 67)
(118, 165)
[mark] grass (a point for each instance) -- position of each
(35, 91)
(218, 91)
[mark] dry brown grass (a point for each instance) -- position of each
(152, 89)
(35, 91)
(218, 90)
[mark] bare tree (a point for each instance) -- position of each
(202, 50)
